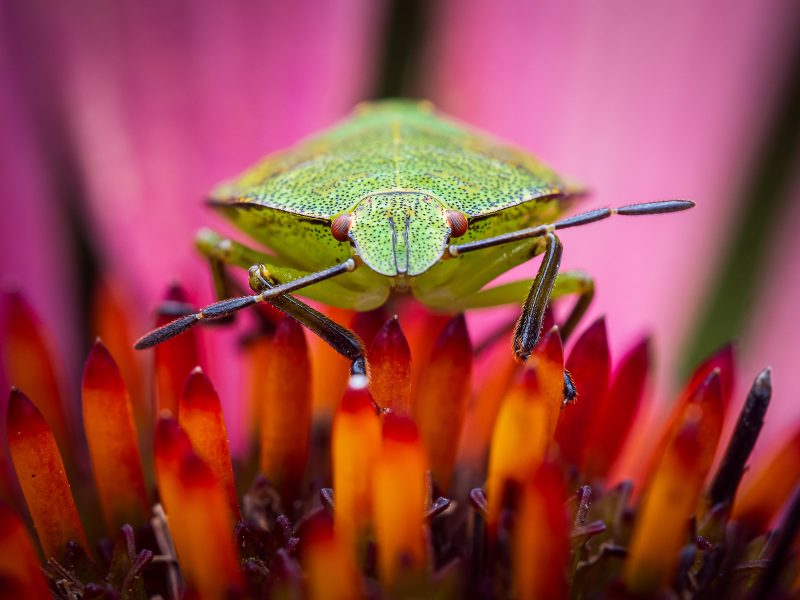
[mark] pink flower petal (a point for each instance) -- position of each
(639, 101)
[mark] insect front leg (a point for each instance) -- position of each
(341, 339)
(222, 251)
(529, 325)
(264, 276)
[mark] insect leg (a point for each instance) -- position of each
(529, 325)
(644, 208)
(341, 339)
(222, 252)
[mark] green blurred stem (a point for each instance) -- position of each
(765, 199)
(404, 41)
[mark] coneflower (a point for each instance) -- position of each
(436, 477)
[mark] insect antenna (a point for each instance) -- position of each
(167, 331)
(598, 214)
(226, 308)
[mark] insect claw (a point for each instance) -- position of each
(569, 393)
(521, 357)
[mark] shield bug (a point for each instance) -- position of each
(398, 198)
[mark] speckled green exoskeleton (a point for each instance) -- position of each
(398, 199)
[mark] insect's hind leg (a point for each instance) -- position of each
(222, 252)
(338, 337)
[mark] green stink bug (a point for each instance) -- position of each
(373, 206)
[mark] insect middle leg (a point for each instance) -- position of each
(341, 339)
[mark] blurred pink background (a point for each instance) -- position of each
(152, 103)
(642, 101)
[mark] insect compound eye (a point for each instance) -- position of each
(341, 226)
(458, 223)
